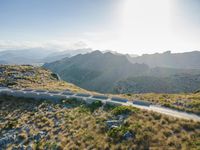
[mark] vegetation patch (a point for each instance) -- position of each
(43, 125)
(119, 110)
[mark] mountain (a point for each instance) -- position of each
(96, 71)
(171, 84)
(108, 72)
(36, 55)
(24, 56)
(187, 60)
(66, 53)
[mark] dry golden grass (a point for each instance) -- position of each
(78, 127)
(26, 76)
(189, 102)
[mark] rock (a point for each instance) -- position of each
(37, 137)
(29, 147)
(128, 135)
(111, 123)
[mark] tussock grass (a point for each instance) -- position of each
(78, 127)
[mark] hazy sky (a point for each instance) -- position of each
(127, 26)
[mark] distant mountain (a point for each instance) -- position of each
(36, 55)
(188, 60)
(108, 72)
(63, 54)
(24, 56)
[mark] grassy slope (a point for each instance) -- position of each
(43, 79)
(78, 127)
(189, 102)
(33, 77)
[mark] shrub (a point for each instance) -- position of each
(123, 110)
(11, 124)
(117, 133)
(109, 107)
(94, 105)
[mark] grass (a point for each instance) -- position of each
(189, 102)
(26, 76)
(78, 127)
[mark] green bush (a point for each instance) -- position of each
(123, 110)
(109, 107)
(94, 105)
(118, 132)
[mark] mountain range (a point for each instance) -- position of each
(117, 73)
(36, 55)
(187, 60)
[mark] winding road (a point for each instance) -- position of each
(58, 95)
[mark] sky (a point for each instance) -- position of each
(125, 26)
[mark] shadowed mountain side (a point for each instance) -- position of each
(104, 72)
(147, 84)
(96, 70)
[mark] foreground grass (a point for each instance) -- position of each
(75, 125)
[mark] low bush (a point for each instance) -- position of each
(119, 110)
(117, 133)
(94, 105)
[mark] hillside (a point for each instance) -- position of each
(187, 60)
(27, 76)
(96, 71)
(147, 84)
(75, 125)
(114, 73)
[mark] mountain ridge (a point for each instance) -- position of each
(103, 71)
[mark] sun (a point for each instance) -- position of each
(144, 21)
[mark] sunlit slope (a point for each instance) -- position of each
(26, 76)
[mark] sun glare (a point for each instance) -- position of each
(145, 22)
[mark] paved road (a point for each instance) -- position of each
(90, 98)
(169, 112)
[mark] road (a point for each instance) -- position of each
(56, 95)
